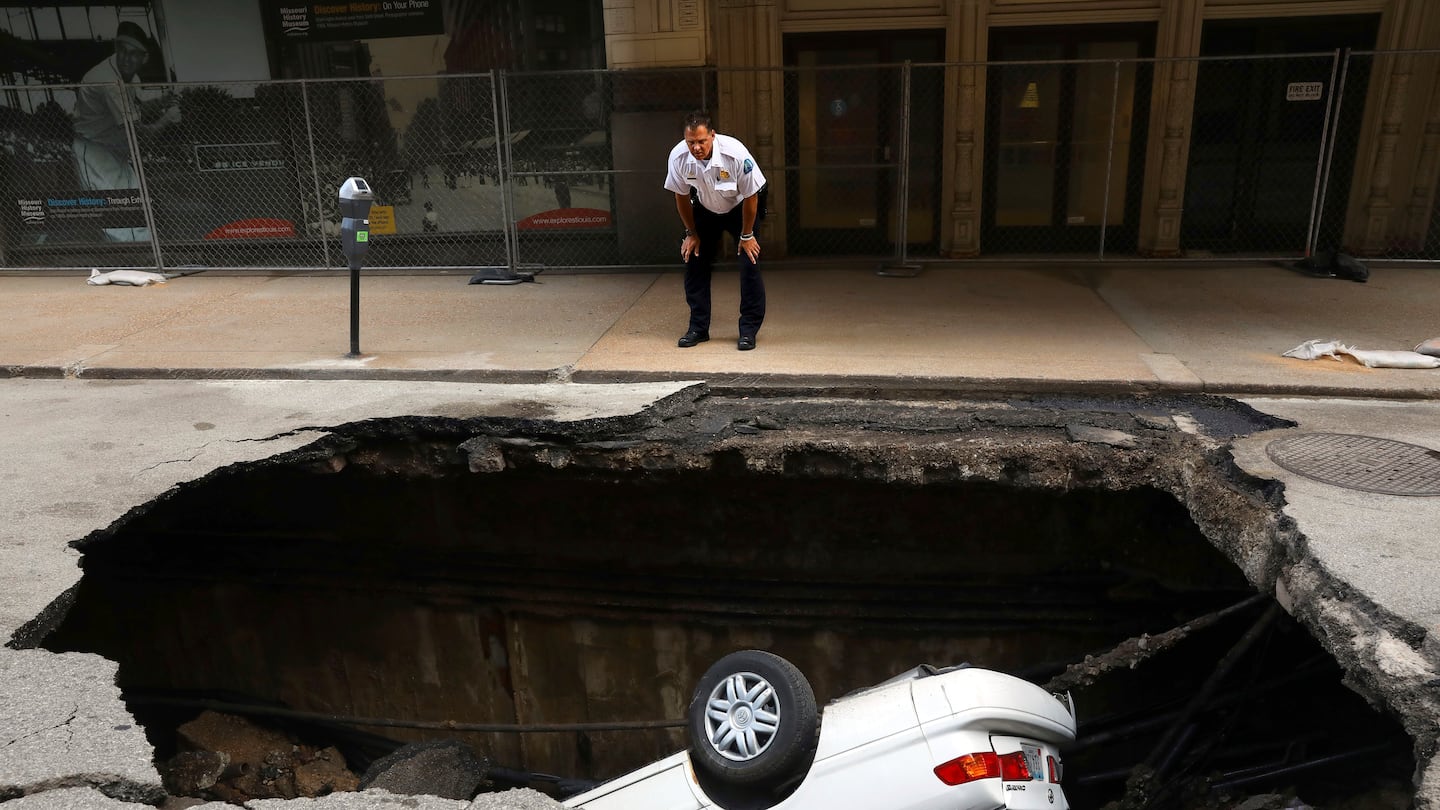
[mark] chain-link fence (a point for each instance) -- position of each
(69, 180)
(1257, 144)
(1063, 160)
(1094, 158)
(585, 165)
(1386, 136)
(246, 174)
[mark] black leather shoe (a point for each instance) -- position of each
(745, 343)
(691, 338)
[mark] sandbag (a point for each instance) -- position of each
(1380, 358)
(1430, 347)
(1314, 348)
(1370, 358)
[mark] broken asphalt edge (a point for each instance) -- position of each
(731, 382)
(1339, 618)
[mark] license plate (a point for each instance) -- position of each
(1034, 761)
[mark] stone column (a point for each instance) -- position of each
(970, 28)
(747, 35)
(1378, 206)
(1172, 105)
(1422, 194)
(1403, 28)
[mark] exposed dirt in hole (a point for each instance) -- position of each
(513, 570)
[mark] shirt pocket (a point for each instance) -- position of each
(727, 188)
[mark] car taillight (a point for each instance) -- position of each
(1013, 767)
(984, 765)
(1055, 769)
(968, 768)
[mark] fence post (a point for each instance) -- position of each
(130, 115)
(1109, 160)
(500, 100)
(1332, 123)
(1327, 136)
(315, 176)
(901, 267)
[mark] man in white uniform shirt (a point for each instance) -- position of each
(718, 189)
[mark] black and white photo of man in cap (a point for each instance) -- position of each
(102, 147)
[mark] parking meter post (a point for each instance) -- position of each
(355, 200)
(354, 309)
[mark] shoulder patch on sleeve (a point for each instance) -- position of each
(749, 167)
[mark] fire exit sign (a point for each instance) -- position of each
(1304, 91)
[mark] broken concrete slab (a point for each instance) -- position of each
(76, 798)
(1098, 435)
(376, 799)
(1363, 570)
(447, 768)
(85, 466)
(76, 469)
(64, 725)
(364, 800)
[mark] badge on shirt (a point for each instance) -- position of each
(749, 167)
(724, 175)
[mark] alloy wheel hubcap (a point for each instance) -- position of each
(742, 717)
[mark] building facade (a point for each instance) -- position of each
(934, 129)
(1198, 130)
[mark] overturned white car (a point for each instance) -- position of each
(950, 739)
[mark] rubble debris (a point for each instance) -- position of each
(446, 768)
(1098, 435)
(259, 763)
(190, 772)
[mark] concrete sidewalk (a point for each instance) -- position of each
(1191, 328)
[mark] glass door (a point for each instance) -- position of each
(1027, 138)
(1255, 146)
(1065, 138)
(838, 155)
(843, 104)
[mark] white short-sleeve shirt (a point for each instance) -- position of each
(720, 183)
(99, 113)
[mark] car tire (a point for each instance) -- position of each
(752, 722)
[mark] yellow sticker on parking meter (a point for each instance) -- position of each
(362, 236)
(382, 219)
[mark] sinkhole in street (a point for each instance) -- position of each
(561, 605)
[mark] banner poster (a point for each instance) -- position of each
(109, 209)
(365, 19)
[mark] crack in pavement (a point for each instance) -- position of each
(207, 445)
(74, 713)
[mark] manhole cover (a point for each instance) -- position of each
(1360, 462)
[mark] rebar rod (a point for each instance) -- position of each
(1173, 738)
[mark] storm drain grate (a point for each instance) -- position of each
(1365, 463)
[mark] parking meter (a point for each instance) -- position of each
(355, 200)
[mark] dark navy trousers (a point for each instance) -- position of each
(711, 228)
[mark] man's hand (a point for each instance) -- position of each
(689, 247)
(171, 115)
(751, 248)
